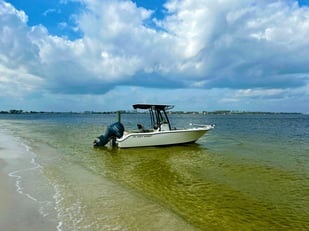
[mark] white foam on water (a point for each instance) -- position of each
(43, 205)
(71, 214)
(59, 226)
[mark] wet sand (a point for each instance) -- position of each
(4, 193)
(17, 212)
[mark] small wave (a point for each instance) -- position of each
(70, 214)
(59, 226)
(18, 175)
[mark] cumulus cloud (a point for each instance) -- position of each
(18, 55)
(228, 44)
(237, 44)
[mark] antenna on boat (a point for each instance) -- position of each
(118, 116)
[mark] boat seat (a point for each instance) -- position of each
(164, 127)
(140, 126)
(142, 129)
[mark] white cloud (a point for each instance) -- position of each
(259, 92)
(18, 55)
(261, 46)
(17, 82)
(8, 10)
(51, 11)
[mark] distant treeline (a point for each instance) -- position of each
(228, 112)
(14, 111)
(219, 112)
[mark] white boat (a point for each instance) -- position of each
(160, 134)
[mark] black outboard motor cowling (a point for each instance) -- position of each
(114, 130)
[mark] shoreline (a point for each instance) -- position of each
(17, 211)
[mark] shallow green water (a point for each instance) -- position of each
(249, 173)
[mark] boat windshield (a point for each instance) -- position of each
(158, 115)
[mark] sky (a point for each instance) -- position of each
(199, 55)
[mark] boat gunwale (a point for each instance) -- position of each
(136, 133)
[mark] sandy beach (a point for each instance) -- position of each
(4, 194)
(17, 210)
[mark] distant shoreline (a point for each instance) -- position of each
(219, 112)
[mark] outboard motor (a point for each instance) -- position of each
(114, 130)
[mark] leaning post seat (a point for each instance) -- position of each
(164, 127)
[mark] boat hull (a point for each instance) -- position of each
(161, 138)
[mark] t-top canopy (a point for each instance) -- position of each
(150, 106)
